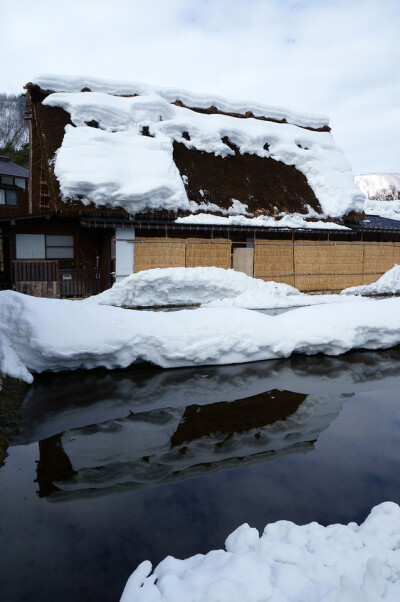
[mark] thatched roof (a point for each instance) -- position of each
(138, 149)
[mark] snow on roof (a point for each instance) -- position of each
(65, 83)
(294, 220)
(113, 164)
(380, 186)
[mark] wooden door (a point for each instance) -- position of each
(243, 260)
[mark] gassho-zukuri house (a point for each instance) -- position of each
(125, 177)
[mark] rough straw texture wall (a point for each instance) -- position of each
(176, 252)
(308, 265)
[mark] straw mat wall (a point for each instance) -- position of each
(273, 260)
(324, 265)
(205, 252)
(179, 252)
(306, 264)
(159, 253)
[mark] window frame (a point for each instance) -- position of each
(48, 255)
(5, 192)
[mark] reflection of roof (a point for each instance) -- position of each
(375, 222)
(8, 168)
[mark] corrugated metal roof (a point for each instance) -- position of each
(7, 168)
(375, 222)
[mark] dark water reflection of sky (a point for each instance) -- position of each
(139, 464)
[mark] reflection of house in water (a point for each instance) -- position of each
(172, 444)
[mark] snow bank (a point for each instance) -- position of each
(380, 186)
(211, 287)
(288, 563)
(388, 284)
(186, 286)
(65, 83)
(49, 334)
(100, 165)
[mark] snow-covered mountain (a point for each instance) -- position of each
(380, 186)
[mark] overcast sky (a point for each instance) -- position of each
(334, 57)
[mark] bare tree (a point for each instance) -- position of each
(13, 127)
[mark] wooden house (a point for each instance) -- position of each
(126, 177)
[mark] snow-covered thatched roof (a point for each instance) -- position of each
(143, 148)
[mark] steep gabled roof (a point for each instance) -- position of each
(140, 148)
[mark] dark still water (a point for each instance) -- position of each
(113, 468)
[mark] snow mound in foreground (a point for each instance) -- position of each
(210, 287)
(49, 334)
(185, 286)
(288, 563)
(388, 284)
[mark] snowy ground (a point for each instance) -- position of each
(49, 334)
(215, 287)
(288, 563)
(388, 284)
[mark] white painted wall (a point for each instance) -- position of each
(124, 252)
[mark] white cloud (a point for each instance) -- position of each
(338, 58)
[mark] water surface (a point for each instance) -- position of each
(111, 468)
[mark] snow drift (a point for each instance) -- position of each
(48, 334)
(388, 284)
(288, 563)
(111, 165)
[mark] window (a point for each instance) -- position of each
(21, 183)
(8, 197)
(7, 180)
(59, 246)
(44, 246)
(30, 246)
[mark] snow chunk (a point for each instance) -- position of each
(288, 563)
(388, 284)
(122, 120)
(120, 169)
(65, 83)
(40, 333)
(244, 539)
